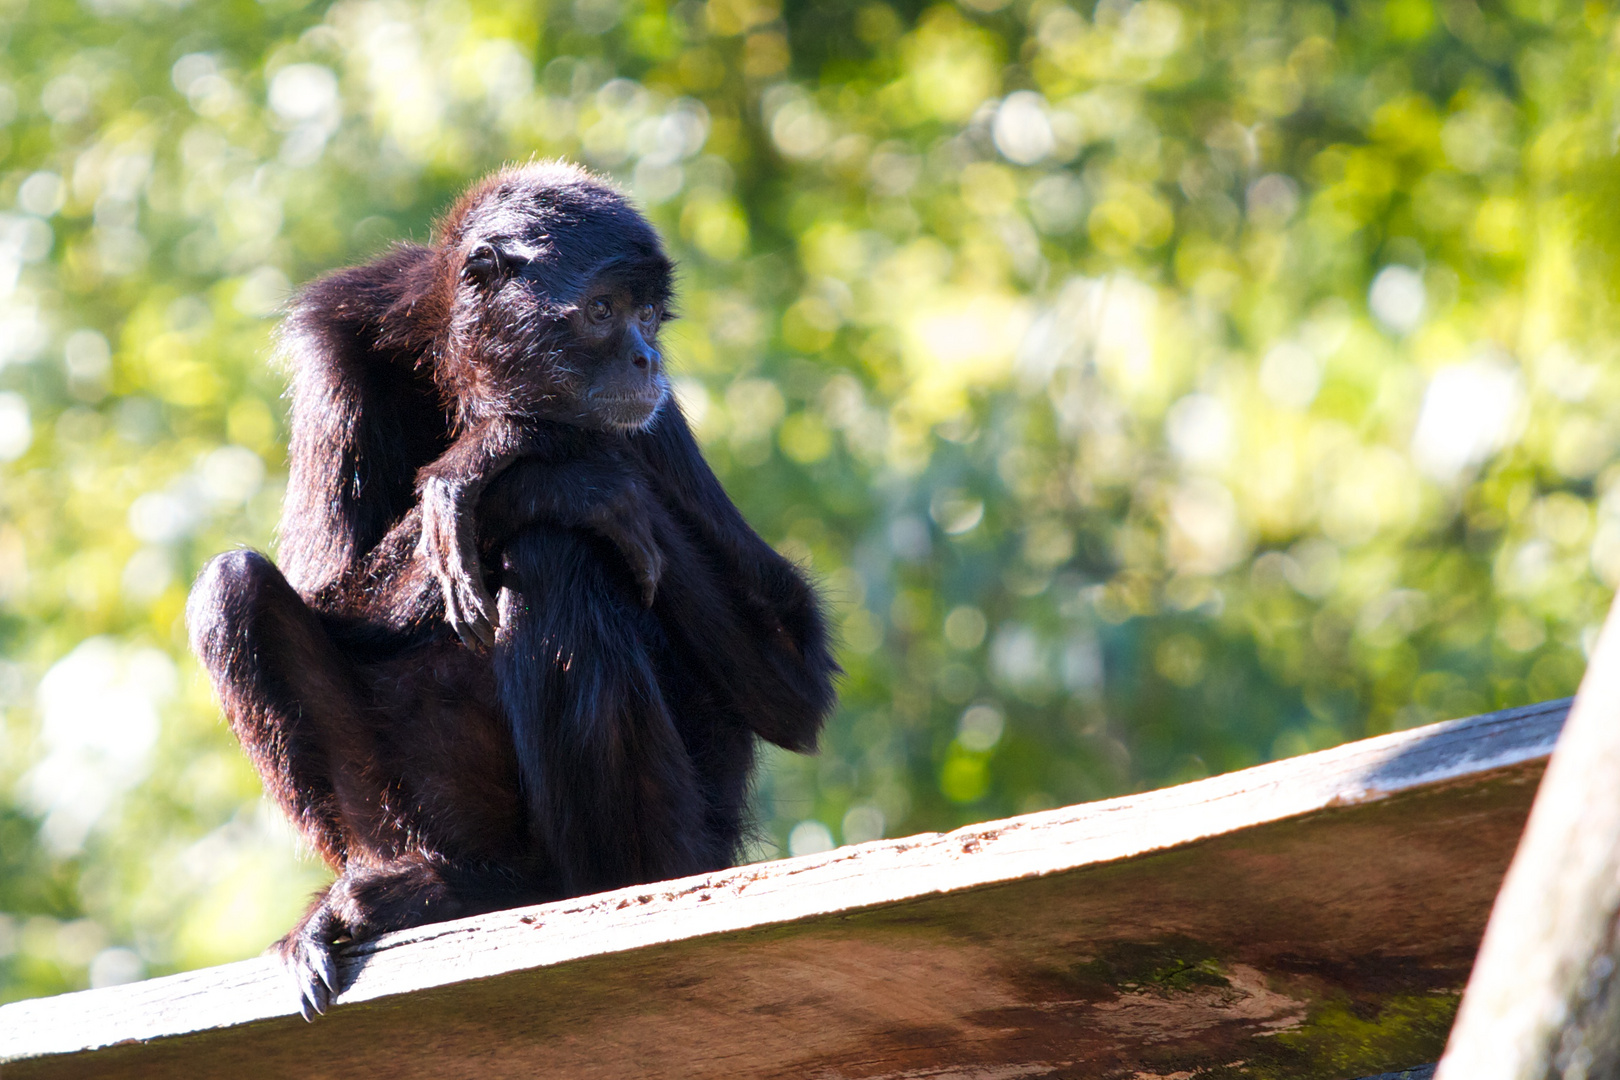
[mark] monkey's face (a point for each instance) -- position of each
(560, 290)
(613, 332)
(583, 349)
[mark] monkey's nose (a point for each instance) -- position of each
(646, 359)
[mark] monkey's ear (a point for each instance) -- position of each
(485, 266)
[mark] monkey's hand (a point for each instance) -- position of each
(623, 519)
(450, 546)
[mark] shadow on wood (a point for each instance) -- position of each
(1312, 919)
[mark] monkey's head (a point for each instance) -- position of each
(560, 288)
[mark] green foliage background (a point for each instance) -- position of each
(1158, 388)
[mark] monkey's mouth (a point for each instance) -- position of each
(627, 412)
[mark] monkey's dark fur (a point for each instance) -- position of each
(490, 415)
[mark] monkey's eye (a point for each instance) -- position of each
(600, 309)
(484, 264)
(647, 313)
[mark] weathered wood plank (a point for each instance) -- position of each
(1312, 918)
(1544, 998)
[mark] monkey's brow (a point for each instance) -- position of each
(637, 292)
(638, 274)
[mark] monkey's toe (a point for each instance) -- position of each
(314, 972)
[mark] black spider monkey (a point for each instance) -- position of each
(489, 416)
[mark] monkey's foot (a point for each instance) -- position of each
(306, 956)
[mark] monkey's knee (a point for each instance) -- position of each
(247, 625)
(225, 601)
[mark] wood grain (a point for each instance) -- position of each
(1311, 918)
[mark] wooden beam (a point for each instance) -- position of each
(1544, 999)
(1312, 919)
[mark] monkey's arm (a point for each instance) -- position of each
(571, 477)
(780, 670)
(601, 492)
(365, 417)
(670, 453)
(448, 490)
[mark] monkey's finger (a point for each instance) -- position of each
(484, 613)
(461, 611)
(646, 560)
(469, 635)
(479, 622)
(476, 631)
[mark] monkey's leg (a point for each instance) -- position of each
(292, 703)
(610, 784)
(284, 687)
(602, 492)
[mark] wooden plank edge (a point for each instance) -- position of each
(1544, 996)
(790, 890)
